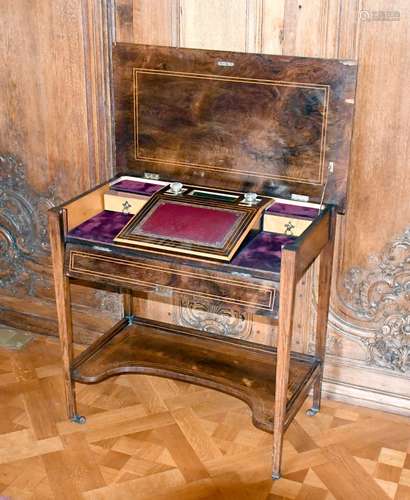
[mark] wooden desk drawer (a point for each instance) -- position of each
(167, 278)
(130, 203)
(285, 225)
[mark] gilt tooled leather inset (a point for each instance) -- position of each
(189, 224)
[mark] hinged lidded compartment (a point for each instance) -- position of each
(277, 125)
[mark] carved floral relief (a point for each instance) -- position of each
(23, 226)
(380, 296)
(212, 316)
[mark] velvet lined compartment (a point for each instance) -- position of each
(261, 251)
(297, 211)
(102, 228)
(137, 187)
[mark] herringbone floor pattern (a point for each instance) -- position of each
(152, 438)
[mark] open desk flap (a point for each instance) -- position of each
(276, 125)
(191, 225)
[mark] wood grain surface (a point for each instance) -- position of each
(165, 275)
(54, 61)
(235, 120)
(152, 438)
(54, 119)
(241, 369)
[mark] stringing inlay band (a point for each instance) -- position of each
(209, 113)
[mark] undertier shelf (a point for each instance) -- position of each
(241, 369)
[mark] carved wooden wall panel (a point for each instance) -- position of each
(54, 143)
(55, 139)
(371, 303)
(148, 21)
(368, 348)
(203, 24)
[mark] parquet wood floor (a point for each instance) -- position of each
(152, 438)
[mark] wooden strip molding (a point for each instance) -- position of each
(140, 274)
(255, 81)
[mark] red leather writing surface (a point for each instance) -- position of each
(187, 223)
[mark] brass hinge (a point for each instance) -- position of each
(101, 249)
(150, 175)
(163, 291)
(348, 62)
(299, 197)
(242, 275)
(331, 169)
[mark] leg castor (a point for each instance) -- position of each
(275, 476)
(78, 419)
(312, 412)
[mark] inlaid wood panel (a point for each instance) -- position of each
(226, 130)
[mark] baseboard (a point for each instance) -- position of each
(369, 398)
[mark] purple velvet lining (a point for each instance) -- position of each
(139, 187)
(263, 252)
(103, 227)
(293, 210)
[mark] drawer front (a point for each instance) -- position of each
(285, 225)
(166, 278)
(124, 202)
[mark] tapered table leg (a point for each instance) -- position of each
(286, 309)
(63, 303)
(127, 303)
(324, 285)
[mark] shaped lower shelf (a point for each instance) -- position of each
(241, 369)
